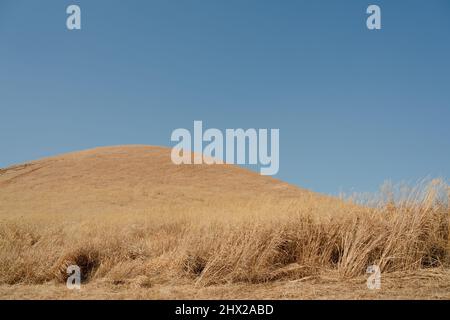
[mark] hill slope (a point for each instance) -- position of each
(135, 179)
(140, 227)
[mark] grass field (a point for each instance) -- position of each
(141, 227)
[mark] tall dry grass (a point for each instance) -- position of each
(403, 233)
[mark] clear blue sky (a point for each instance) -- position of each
(354, 107)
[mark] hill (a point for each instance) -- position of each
(138, 179)
(139, 226)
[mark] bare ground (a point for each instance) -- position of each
(424, 284)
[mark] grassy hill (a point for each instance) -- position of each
(138, 225)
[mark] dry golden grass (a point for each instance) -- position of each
(134, 222)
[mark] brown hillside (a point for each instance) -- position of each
(140, 227)
(139, 179)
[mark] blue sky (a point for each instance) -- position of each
(354, 107)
